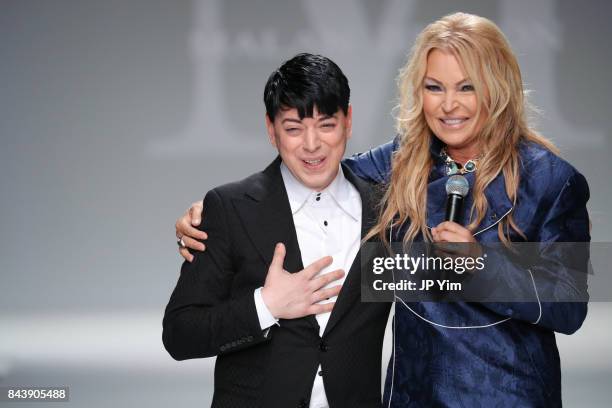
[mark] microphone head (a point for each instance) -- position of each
(458, 185)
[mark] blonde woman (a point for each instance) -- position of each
(462, 110)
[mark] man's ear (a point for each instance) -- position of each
(349, 122)
(271, 131)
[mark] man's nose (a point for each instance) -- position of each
(312, 142)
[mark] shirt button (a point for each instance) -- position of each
(325, 223)
(321, 373)
(323, 346)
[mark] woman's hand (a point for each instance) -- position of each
(187, 233)
(452, 232)
(449, 233)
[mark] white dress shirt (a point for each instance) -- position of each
(326, 223)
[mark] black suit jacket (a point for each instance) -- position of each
(212, 310)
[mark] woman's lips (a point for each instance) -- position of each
(453, 123)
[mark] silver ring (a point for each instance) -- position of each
(180, 242)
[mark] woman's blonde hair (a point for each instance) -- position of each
(486, 56)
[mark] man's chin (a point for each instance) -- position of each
(317, 183)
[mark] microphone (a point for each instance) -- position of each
(457, 188)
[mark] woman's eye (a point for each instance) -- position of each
(433, 88)
(467, 88)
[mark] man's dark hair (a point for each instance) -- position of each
(306, 81)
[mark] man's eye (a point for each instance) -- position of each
(328, 125)
(292, 130)
(433, 88)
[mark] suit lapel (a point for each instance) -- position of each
(351, 288)
(266, 216)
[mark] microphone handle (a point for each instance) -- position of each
(454, 203)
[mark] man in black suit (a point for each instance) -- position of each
(279, 338)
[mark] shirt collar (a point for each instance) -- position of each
(340, 190)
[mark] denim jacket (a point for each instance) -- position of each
(490, 354)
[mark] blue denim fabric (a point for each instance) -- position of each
(514, 363)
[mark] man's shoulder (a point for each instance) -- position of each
(365, 188)
(238, 188)
(255, 185)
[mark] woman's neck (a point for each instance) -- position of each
(462, 155)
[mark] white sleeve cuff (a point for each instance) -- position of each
(266, 319)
